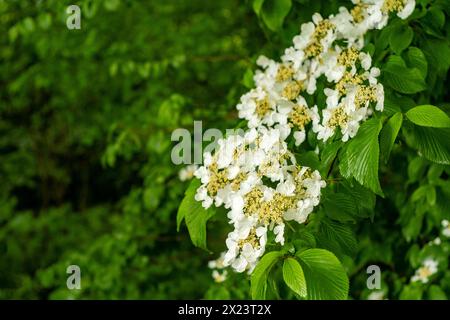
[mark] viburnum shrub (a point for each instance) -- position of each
(344, 159)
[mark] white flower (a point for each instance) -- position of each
(219, 277)
(437, 241)
(279, 233)
(299, 137)
(187, 173)
(366, 60)
(428, 268)
(407, 9)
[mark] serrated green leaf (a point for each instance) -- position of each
(195, 216)
(274, 11)
(326, 278)
(261, 273)
(337, 237)
(293, 276)
(428, 116)
(401, 78)
(388, 135)
(432, 143)
(360, 159)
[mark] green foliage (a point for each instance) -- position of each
(273, 12)
(360, 158)
(324, 274)
(261, 274)
(428, 116)
(195, 215)
(401, 78)
(294, 277)
(388, 135)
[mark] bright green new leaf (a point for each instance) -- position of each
(294, 277)
(261, 273)
(195, 215)
(388, 135)
(360, 159)
(428, 116)
(326, 278)
(274, 11)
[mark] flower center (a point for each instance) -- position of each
(299, 116)
(392, 5)
(285, 72)
(338, 118)
(262, 107)
(348, 57)
(292, 90)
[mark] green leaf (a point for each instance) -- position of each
(305, 239)
(388, 135)
(411, 292)
(362, 197)
(339, 206)
(401, 37)
(436, 293)
(337, 237)
(261, 273)
(416, 58)
(195, 215)
(401, 78)
(437, 52)
(395, 102)
(247, 79)
(257, 4)
(294, 277)
(309, 159)
(325, 277)
(327, 156)
(428, 116)
(432, 143)
(360, 159)
(274, 11)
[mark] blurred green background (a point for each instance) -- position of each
(85, 123)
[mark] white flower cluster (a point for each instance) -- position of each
(428, 268)
(257, 179)
(255, 176)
